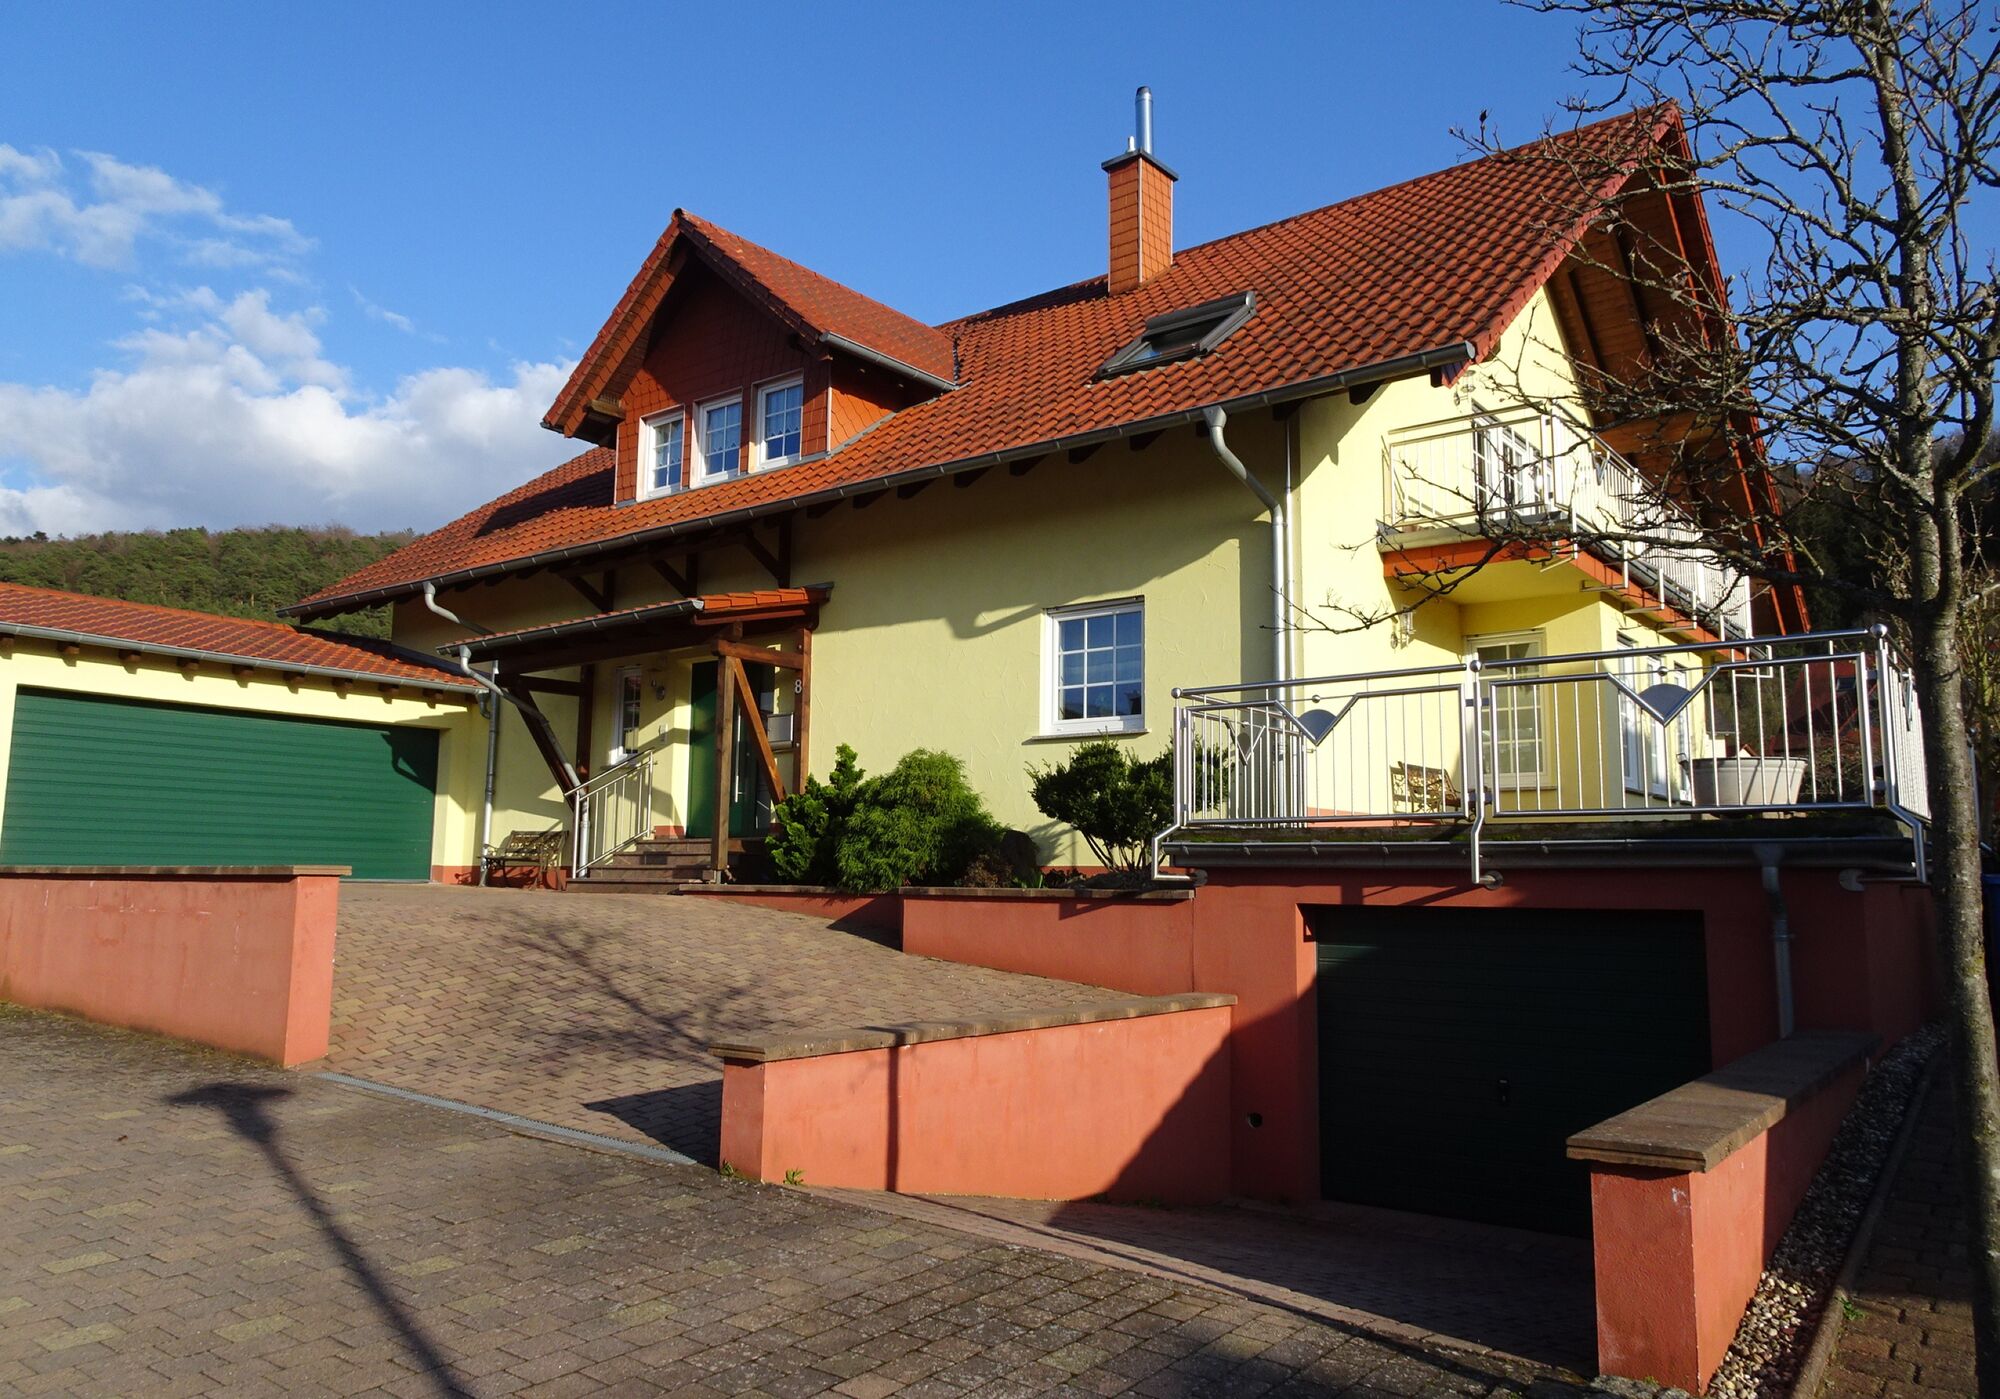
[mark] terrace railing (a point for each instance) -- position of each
(1540, 473)
(1819, 722)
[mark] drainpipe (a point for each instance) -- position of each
(1768, 857)
(1281, 590)
(494, 694)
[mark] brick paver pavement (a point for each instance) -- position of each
(1909, 1335)
(174, 1222)
(595, 1011)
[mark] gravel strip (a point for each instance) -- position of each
(1778, 1327)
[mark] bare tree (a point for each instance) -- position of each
(1823, 411)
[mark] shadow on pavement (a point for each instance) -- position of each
(246, 1109)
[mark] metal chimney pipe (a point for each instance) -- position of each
(1144, 102)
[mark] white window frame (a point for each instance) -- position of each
(700, 438)
(633, 678)
(1525, 781)
(649, 429)
(1052, 724)
(758, 458)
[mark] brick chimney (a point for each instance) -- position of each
(1142, 207)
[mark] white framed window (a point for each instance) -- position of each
(719, 429)
(631, 691)
(780, 423)
(1095, 663)
(662, 454)
(1515, 725)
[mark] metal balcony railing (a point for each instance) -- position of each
(1820, 722)
(1539, 473)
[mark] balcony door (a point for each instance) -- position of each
(1513, 479)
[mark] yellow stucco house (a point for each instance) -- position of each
(803, 518)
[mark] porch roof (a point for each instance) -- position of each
(652, 625)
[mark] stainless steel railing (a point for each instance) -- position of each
(1537, 471)
(611, 811)
(1819, 722)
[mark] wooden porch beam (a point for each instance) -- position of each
(586, 702)
(600, 598)
(759, 655)
(753, 720)
(547, 685)
(802, 711)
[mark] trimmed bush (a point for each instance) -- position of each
(919, 823)
(1117, 805)
(806, 827)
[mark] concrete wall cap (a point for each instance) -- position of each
(1149, 896)
(171, 871)
(1696, 1127)
(816, 1044)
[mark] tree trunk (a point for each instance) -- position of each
(1961, 945)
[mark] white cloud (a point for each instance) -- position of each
(224, 407)
(203, 430)
(100, 219)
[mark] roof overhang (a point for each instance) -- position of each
(654, 626)
(1455, 353)
(67, 637)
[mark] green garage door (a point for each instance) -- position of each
(1460, 1048)
(95, 781)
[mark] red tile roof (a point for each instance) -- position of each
(172, 631)
(1436, 267)
(817, 307)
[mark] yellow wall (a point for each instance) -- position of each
(35, 664)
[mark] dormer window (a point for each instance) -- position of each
(721, 427)
(663, 448)
(1182, 334)
(780, 423)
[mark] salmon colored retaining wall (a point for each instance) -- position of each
(240, 958)
(1125, 1100)
(878, 912)
(1861, 961)
(1690, 1193)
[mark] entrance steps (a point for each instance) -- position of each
(660, 865)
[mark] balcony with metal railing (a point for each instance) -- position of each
(1718, 738)
(1527, 475)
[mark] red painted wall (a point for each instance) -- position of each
(1679, 1255)
(1861, 961)
(880, 913)
(243, 963)
(1129, 1109)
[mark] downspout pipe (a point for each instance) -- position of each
(1768, 858)
(1281, 591)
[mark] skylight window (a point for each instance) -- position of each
(1182, 334)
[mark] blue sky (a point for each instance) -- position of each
(312, 264)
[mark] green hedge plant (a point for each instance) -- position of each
(918, 823)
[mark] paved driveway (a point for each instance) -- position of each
(595, 1011)
(177, 1223)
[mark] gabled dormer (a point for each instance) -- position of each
(723, 359)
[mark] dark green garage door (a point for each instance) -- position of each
(95, 781)
(1460, 1048)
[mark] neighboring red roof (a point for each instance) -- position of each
(813, 305)
(1441, 264)
(174, 631)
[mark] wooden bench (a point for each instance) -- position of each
(540, 851)
(1415, 788)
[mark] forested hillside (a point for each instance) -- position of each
(238, 572)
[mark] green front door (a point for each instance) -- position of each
(749, 810)
(99, 781)
(1460, 1048)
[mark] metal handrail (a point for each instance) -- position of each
(1763, 726)
(612, 810)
